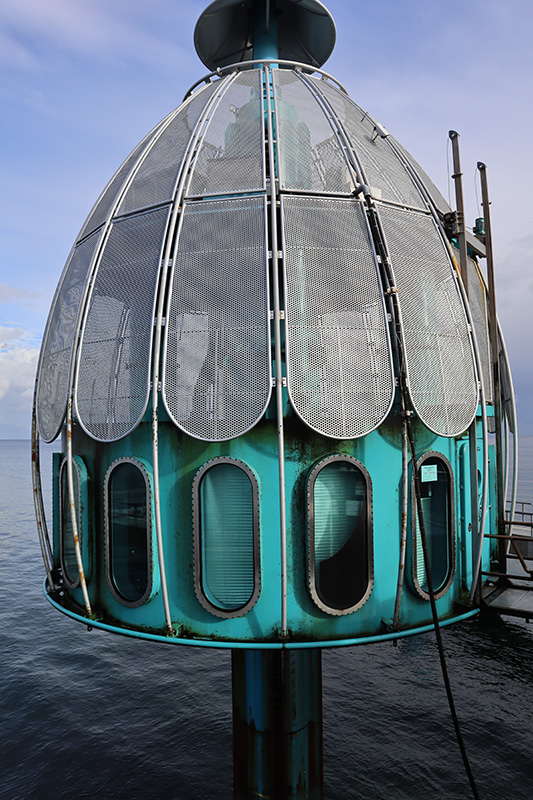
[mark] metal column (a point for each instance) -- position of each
(277, 724)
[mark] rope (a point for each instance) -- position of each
(438, 635)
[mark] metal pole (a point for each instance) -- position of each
(277, 724)
(163, 279)
(513, 425)
(403, 528)
(493, 321)
(460, 212)
(72, 506)
(463, 265)
(277, 352)
(44, 541)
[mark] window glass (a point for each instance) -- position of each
(68, 552)
(227, 536)
(340, 535)
(128, 532)
(437, 513)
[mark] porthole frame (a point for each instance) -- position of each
(197, 539)
(152, 583)
(310, 487)
(451, 534)
(82, 519)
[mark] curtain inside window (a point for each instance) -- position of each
(227, 531)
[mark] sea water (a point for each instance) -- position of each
(94, 715)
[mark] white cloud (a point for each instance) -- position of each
(17, 377)
(34, 33)
(9, 335)
(11, 294)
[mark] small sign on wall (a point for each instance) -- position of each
(428, 472)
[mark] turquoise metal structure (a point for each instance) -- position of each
(224, 336)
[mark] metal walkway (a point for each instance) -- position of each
(509, 589)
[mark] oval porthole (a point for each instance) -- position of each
(128, 532)
(226, 537)
(339, 499)
(438, 510)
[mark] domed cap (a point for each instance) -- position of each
(224, 33)
(181, 234)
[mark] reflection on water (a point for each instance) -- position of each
(88, 715)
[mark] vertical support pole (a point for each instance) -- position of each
(493, 322)
(72, 507)
(277, 724)
(265, 30)
(44, 541)
(463, 264)
(460, 210)
(277, 352)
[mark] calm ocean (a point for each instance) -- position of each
(92, 715)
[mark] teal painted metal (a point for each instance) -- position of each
(265, 30)
(281, 617)
(182, 456)
(277, 724)
(179, 640)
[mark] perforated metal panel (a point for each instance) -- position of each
(440, 203)
(440, 362)
(109, 196)
(231, 157)
(339, 363)
(310, 157)
(383, 170)
(217, 375)
(156, 177)
(114, 362)
(57, 344)
(478, 306)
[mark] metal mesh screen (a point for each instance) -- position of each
(114, 362)
(478, 306)
(310, 158)
(442, 376)
(231, 158)
(383, 170)
(156, 177)
(339, 367)
(105, 202)
(57, 344)
(439, 201)
(217, 376)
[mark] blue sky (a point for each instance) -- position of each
(84, 80)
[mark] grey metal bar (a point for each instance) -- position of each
(267, 62)
(157, 344)
(463, 266)
(460, 211)
(72, 508)
(42, 530)
(494, 345)
(277, 351)
(514, 484)
(403, 527)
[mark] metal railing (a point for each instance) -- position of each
(518, 546)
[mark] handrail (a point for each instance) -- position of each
(512, 539)
(220, 71)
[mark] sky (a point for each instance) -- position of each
(82, 82)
